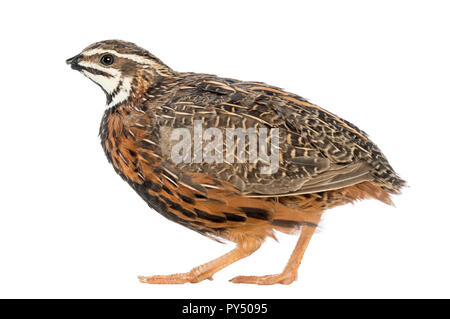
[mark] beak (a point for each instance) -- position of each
(73, 62)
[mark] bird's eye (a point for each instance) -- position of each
(107, 59)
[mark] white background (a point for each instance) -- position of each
(70, 227)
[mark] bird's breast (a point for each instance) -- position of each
(120, 137)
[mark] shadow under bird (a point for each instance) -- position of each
(322, 160)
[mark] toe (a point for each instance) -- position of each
(164, 280)
(284, 278)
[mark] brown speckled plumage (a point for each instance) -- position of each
(324, 161)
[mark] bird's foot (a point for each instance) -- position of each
(189, 277)
(284, 278)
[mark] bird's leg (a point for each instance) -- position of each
(207, 270)
(289, 273)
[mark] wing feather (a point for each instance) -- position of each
(317, 149)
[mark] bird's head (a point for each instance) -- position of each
(120, 68)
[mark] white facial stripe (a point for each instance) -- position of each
(119, 85)
(133, 57)
(109, 84)
(124, 92)
(110, 71)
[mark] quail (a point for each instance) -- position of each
(232, 160)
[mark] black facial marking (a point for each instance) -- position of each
(95, 71)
